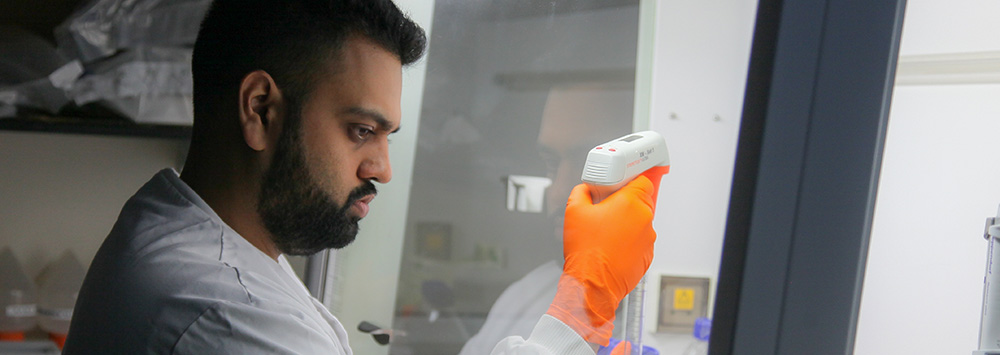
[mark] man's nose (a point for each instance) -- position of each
(566, 177)
(376, 166)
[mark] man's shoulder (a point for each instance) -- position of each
(164, 245)
(158, 232)
(160, 214)
(168, 268)
(158, 270)
(150, 304)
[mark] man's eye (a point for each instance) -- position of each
(361, 133)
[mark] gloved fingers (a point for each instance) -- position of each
(580, 195)
(640, 187)
(641, 183)
(655, 175)
(656, 172)
(615, 347)
(623, 348)
(607, 248)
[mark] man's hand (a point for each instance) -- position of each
(616, 347)
(607, 248)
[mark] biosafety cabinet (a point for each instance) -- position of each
(830, 171)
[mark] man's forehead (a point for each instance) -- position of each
(563, 150)
(364, 81)
(586, 113)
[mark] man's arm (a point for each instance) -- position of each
(237, 328)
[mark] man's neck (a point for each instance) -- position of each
(234, 200)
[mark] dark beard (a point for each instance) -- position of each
(302, 218)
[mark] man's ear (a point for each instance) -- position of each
(259, 107)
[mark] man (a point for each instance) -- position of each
(294, 103)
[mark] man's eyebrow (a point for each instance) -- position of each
(380, 120)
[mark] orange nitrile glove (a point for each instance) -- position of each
(623, 348)
(655, 174)
(607, 248)
(616, 347)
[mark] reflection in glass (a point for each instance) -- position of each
(523, 89)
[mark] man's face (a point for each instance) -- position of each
(574, 121)
(318, 185)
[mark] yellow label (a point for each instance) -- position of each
(684, 299)
(434, 241)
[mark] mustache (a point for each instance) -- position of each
(367, 188)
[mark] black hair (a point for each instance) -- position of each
(292, 40)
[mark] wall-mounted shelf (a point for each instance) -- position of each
(107, 127)
(949, 69)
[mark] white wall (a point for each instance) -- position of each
(924, 278)
(64, 191)
(957, 26)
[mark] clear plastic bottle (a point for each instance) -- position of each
(702, 330)
(17, 298)
(59, 286)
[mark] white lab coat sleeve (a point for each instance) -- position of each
(549, 337)
(237, 328)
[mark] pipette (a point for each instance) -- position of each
(609, 167)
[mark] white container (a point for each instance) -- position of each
(17, 298)
(58, 285)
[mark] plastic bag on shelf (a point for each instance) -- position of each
(101, 28)
(146, 84)
(34, 96)
(26, 62)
